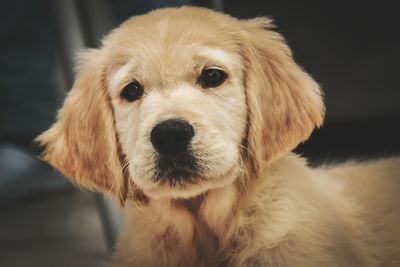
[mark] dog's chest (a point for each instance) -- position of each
(183, 237)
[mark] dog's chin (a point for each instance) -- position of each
(190, 189)
(166, 191)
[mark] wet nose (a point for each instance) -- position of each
(170, 137)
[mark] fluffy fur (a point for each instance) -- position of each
(256, 204)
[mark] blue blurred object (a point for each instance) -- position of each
(24, 175)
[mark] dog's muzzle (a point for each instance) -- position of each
(175, 161)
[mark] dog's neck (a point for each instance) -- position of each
(211, 210)
(212, 224)
(199, 220)
(191, 204)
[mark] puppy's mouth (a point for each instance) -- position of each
(175, 180)
(177, 171)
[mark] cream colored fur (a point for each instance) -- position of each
(257, 204)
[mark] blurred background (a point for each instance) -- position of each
(349, 47)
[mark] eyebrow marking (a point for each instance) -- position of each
(220, 55)
(119, 76)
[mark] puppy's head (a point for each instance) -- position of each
(180, 101)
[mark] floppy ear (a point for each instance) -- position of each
(83, 144)
(284, 102)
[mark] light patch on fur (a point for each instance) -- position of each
(219, 55)
(326, 184)
(117, 78)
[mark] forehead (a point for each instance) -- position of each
(174, 40)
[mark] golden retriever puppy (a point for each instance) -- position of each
(188, 117)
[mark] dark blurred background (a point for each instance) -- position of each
(349, 47)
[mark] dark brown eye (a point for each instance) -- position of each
(210, 78)
(132, 91)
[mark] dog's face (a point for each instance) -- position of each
(180, 114)
(180, 101)
(179, 105)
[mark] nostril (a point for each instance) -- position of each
(171, 136)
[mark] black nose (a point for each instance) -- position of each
(171, 136)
